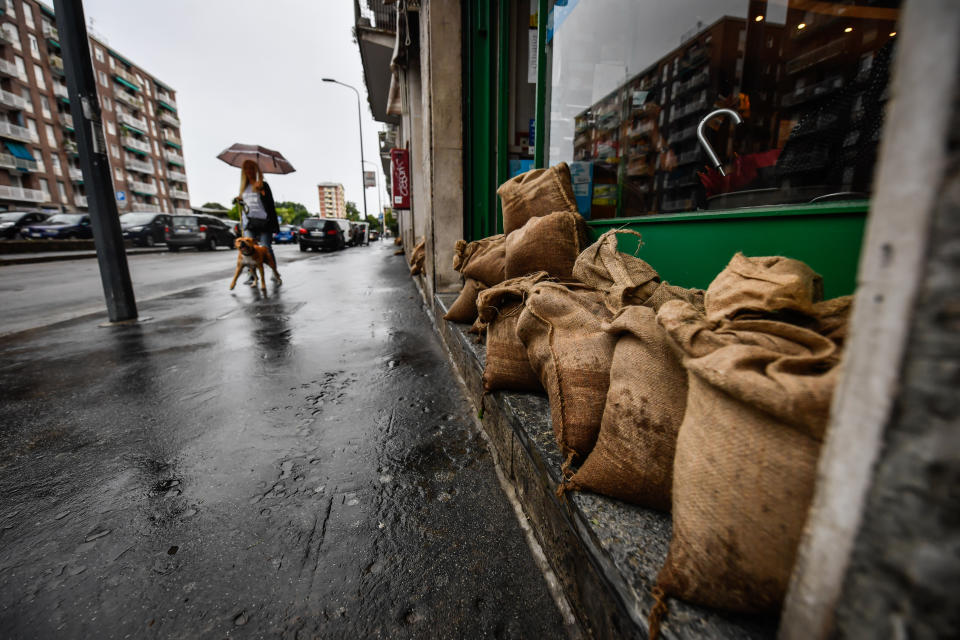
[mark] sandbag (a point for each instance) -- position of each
(633, 457)
(744, 472)
(766, 285)
(833, 318)
(417, 257)
(507, 366)
(482, 260)
(536, 193)
(561, 328)
(625, 279)
(464, 308)
(549, 243)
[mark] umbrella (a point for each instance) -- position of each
(268, 160)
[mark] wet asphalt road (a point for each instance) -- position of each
(294, 466)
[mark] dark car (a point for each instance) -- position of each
(286, 235)
(374, 235)
(319, 233)
(61, 226)
(13, 222)
(202, 232)
(145, 228)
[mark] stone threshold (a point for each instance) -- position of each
(605, 553)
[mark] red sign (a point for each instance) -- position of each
(400, 168)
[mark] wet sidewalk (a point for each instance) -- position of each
(300, 464)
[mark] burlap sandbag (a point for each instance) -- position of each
(833, 318)
(417, 257)
(549, 243)
(536, 193)
(464, 308)
(633, 457)
(625, 279)
(743, 476)
(766, 285)
(499, 307)
(561, 328)
(482, 260)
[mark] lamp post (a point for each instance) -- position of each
(376, 177)
(359, 122)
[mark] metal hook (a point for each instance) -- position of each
(703, 141)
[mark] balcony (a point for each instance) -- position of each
(129, 99)
(66, 120)
(60, 91)
(50, 31)
(8, 69)
(9, 38)
(23, 195)
(80, 201)
(163, 96)
(170, 119)
(8, 161)
(16, 132)
(170, 136)
(76, 175)
(144, 206)
(56, 64)
(71, 147)
(138, 165)
(177, 176)
(130, 120)
(140, 146)
(173, 157)
(179, 194)
(126, 78)
(12, 100)
(182, 210)
(143, 188)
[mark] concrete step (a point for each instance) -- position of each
(606, 553)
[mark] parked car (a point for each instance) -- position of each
(374, 235)
(321, 233)
(286, 235)
(202, 232)
(145, 228)
(61, 226)
(13, 222)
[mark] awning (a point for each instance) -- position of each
(166, 106)
(18, 150)
(119, 57)
(172, 144)
(126, 83)
(53, 43)
(134, 129)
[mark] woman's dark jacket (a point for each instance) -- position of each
(273, 225)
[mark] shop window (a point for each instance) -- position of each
(631, 84)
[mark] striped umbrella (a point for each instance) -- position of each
(268, 160)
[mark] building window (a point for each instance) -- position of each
(14, 34)
(38, 74)
(98, 53)
(28, 16)
(45, 107)
(147, 87)
(163, 189)
(111, 128)
(32, 126)
(103, 78)
(21, 68)
(41, 168)
(55, 163)
(150, 108)
(153, 128)
(62, 190)
(113, 63)
(11, 9)
(115, 151)
(106, 104)
(25, 94)
(34, 47)
(156, 150)
(45, 187)
(118, 174)
(51, 137)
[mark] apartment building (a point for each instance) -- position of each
(39, 159)
(332, 204)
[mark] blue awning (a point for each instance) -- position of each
(18, 150)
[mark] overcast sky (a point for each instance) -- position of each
(250, 72)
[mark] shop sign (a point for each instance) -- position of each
(369, 179)
(400, 169)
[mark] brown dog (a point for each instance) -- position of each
(252, 256)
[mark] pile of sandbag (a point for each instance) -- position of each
(710, 405)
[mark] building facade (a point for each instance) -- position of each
(40, 154)
(332, 204)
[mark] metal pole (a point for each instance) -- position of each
(376, 176)
(85, 108)
(363, 184)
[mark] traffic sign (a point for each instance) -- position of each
(121, 196)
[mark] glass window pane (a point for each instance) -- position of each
(633, 82)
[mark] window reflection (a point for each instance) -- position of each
(632, 82)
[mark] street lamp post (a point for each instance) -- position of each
(380, 213)
(359, 122)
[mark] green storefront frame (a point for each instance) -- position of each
(688, 249)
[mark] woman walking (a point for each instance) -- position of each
(259, 217)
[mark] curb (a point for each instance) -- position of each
(27, 258)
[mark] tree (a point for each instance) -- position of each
(215, 205)
(390, 222)
(292, 212)
(352, 212)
